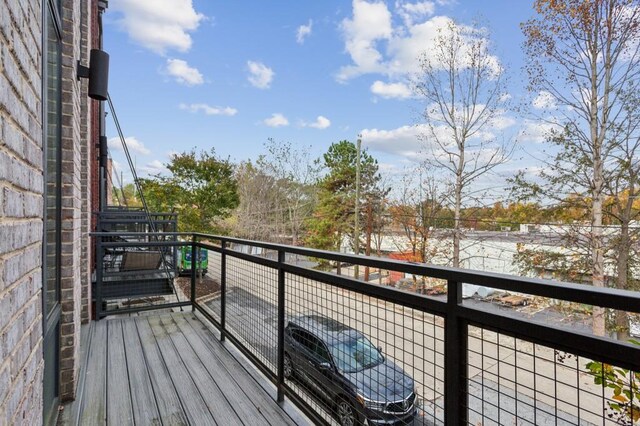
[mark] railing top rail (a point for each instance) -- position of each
(117, 214)
(140, 234)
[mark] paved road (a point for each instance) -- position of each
(415, 342)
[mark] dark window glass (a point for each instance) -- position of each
(303, 338)
(52, 178)
(313, 344)
(322, 352)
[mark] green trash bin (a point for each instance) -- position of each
(184, 265)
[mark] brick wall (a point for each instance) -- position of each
(21, 205)
(75, 200)
(21, 212)
(94, 138)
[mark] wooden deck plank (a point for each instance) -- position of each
(218, 405)
(254, 393)
(119, 409)
(195, 408)
(94, 404)
(71, 412)
(249, 410)
(167, 369)
(143, 400)
(169, 405)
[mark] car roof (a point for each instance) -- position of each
(327, 329)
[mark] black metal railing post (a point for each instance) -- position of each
(193, 271)
(99, 273)
(223, 289)
(455, 359)
(281, 310)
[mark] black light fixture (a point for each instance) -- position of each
(97, 73)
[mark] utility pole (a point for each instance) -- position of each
(369, 231)
(356, 231)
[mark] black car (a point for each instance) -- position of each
(341, 366)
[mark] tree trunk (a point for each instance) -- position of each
(597, 138)
(624, 247)
(457, 208)
(597, 249)
(598, 268)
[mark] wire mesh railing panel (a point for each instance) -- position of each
(513, 381)
(207, 285)
(251, 308)
(351, 354)
(136, 275)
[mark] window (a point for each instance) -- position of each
(312, 344)
(356, 354)
(51, 94)
(53, 159)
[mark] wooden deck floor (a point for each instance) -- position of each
(166, 369)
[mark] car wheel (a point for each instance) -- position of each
(288, 367)
(346, 414)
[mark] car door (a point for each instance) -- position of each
(301, 356)
(325, 378)
(310, 354)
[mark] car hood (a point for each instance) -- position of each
(384, 382)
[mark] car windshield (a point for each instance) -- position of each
(355, 354)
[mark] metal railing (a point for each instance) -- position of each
(441, 359)
(136, 271)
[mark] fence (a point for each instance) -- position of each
(342, 349)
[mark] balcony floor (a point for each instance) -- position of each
(166, 369)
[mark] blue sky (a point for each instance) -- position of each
(230, 74)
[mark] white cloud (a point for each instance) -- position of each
(502, 121)
(389, 168)
(404, 141)
(276, 120)
(133, 144)
(183, 73)
(159, 25)
(320, 123)
(304, 31)
(377, 46)
(413, 142)
(208, 109)
(535, 131)
(154, 167)
(410, 12)
(390, 90)
(544, 100)
(260, 75)
(371, 23)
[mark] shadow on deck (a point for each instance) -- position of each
(168, 369)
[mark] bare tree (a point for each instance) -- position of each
(257, 216)
(463, 87)
(416, 213)
(295, 172)
(583, 61)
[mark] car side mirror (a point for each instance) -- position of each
(380, 349)
(324, 366)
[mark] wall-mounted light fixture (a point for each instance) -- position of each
(97, 73)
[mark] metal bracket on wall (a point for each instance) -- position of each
(83, 72)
